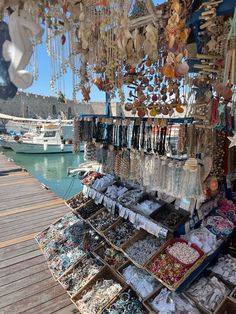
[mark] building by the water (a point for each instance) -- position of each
(33, 106)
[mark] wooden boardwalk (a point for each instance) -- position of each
(26, 285)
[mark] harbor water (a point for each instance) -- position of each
(51, 170)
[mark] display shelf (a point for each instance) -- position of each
(78, 264)
(105, 273)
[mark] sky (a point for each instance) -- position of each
(42, 85)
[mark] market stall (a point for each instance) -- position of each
(154, 231)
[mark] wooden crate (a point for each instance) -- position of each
(228, 306)
(200, 306)
(132, 292)
(120, 271)
(117, 223)
(78, 210)
(99, 253)
(150, 298)
(144, 197)
(233, 294)
(140, 235)
(165, 210)
(101, 232)
(105, 273)
(75, 209)
(226, 282)
(45, 229)
(188, 272)
(78, 264)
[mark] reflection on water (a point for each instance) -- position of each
(51, 170)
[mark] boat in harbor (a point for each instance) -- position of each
(48, 138)
(6, 140)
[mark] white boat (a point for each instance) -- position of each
(46, 140)
(84, 168)
(6, 140)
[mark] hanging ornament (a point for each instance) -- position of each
(153, 112)
(63, 39)
(61, 97)
(232, 140)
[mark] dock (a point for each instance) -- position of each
(26, 284)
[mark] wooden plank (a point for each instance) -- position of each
(23, 273)
(24, 282)
(51, 306)
(16, 182)
(14, 253)
(20, 235)
(25, 226)
(34, 289)
(25, 202)
(22, 264)
(21, 306)
(17, 240)
(70, 309)
(17, 210)
(16, 247)
(30, 216)
(20, 258)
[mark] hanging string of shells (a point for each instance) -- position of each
(140, 52)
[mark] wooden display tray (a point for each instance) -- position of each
(188, 272)
(105, 273)
(233, 294)
(200, 306)
(45, 229)
(132, 293)
(140, 235)
(117, 223)
(77, 208)
(228, 306)
(225, 281)
(125, 265)
(101, 232)
(150, 298)
(144, 197)
(120, 184)
(100, 250)
(166, 209)
(79, 263)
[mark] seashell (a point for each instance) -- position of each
(142, 98)
(179, 109)
(63, 39)
(164, 110)
(148, 63)
(227, 94)
(182, 69)
(164, 97)
(171, 112)
(153, 112)
(128, 106)
(168, 71)
(171, 41)
(136, 103)
(174, 48)
(150, 88)
(145, 81)
(98, 83)
(152, 71)
(82, 16)
(133, 111)
(141, 113)
(154, 97)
